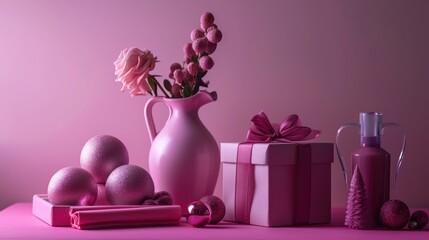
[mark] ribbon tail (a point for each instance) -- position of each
(299, 133)
(312, 135)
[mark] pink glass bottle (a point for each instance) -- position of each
(373, 162)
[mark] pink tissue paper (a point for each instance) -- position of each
(114, 217)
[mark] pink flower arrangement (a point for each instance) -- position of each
(133, 66)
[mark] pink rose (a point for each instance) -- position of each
(132, 69)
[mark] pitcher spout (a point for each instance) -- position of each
(205, 97)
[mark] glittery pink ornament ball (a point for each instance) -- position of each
(129, 184)
(101, 196)
(419, 219)
(101, 155)
(394, 214)
(216, 206)
(72, 186)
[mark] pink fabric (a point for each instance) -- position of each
(114, 217)
(245, 183)
(289, 130)
(17, 222)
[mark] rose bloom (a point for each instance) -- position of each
(132, 69)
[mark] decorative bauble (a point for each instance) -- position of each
(129, 184)
(198, 214)
(394, 214)
(101, 155)
(149, 201)
(101, 196)
(216, 207)
(72, 186)
(163, 198)
(418, 220)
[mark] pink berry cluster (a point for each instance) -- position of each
(197, 60)
(134, 66)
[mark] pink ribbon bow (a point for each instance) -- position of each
(290, 130)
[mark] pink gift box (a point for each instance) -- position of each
(59, 215)
(104, 216)
(277, 184)
(54, 215)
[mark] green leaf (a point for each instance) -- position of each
(194, 58)
(153, 85)
(186, 91)
(167, 85)
(196, 87)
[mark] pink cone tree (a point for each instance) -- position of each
(357, 214)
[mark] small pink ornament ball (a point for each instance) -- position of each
(198, 214)
(394, 214)
(72, 186)
(216, 207)
(101, 155)
(419, 219)
(101, 196)
(150, 202)
(163, 198)
(129, 185)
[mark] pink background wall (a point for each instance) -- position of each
(324, 60)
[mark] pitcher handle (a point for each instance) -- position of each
(404, 143)
(150, 124)
(337, 147)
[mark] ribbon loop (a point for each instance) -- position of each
(290, 130)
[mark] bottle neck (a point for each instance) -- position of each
(370, 141)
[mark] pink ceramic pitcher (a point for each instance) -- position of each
(184, 158)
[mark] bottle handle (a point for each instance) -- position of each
(337, 147)
(404, 143)
(150, 124)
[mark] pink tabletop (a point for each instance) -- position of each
(17, 222)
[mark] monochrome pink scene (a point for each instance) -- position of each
(72, 70)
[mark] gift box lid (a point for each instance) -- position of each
(278, 153)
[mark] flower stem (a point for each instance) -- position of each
(160, 87)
